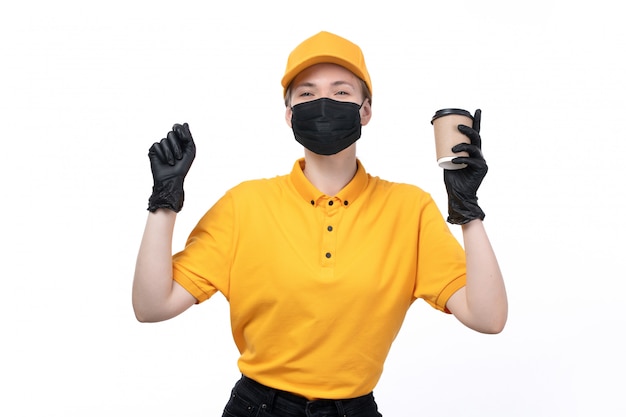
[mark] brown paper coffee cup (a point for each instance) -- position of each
(447, 135)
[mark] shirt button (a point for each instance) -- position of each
(328, 255)
(330, 228)
(345, 203)
(312, 202)
(330, 203)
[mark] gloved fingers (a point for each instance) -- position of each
(472, 150)
(477, 116)
(162, 152)
(472, 134)
(168, 150)
(173, 145)
(478, 164)
(183, 132)
(186, 141)
(153, 151)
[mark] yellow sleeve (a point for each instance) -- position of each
(441, 269)
(203, 266)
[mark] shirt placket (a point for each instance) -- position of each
(332, 207)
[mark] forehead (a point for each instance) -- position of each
(325, 73)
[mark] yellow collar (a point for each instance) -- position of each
(313, 196)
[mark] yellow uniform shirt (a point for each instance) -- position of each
(318, 286)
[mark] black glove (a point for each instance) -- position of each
(170, 161)
(462, 184)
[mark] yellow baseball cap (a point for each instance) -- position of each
(326, 47)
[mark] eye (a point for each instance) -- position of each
(344, 92)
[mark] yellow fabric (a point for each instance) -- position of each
(326, 47)
(306, 322)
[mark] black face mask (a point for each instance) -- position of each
(325, 126)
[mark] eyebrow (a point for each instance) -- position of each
(334, 84)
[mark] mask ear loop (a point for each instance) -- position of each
(361, 106)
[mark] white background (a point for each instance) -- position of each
(87, 87)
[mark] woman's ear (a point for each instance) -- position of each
(288, 113)
(366, 112)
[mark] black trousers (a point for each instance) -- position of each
(252, 399)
